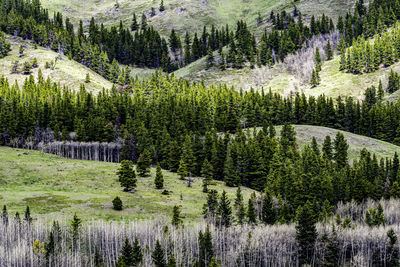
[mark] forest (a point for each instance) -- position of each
(309, 205)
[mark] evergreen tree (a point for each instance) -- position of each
(315, 79)
(210, 58)
(328, 50)
(75, 228)
(4, 215)
(224, 210)
(127, 253)
(206, 251)
(117, 203)
(158, 255)
(137, 252)
(231, 176)
(87, 79)
(15, 67)
(26, 68)
(162, 7)
(27, 216)
(143, 163)
(210, 208)
(183, 169)
(176, 216)
(327, 148)
(5, 47)
(159, 179)
(134, 25)
(127, 175)
(251, 211)
(341, 147)
(144, 22)
(208, 173)
(306, 232)
(392, 250)
(268, 212)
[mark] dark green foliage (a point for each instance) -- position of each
(4, 46)
(127, 175)
(329, 51)
(158, 255)
(127, 253)
(117, 203)
(341, 147)
(134, 25)
(162, 7)
(15, 67)
(159, 179)
(210, 208)
(392, 250)
(210, 58)
(206, 247)
(251, 211)
(176, 216)
(87, 79)
(394, 82)
(224, 210)
(268, 212)
(75, 228)
(315, 79)
(143, 163)
(27, 216)
(26, 68)
(207, 173)
(375, 217)
(306, 232)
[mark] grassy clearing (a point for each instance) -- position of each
(67, 72)
(305, 133)
(54, 186)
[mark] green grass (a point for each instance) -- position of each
(305, 133)
(189, 15)
(67, 72)
(58, 187)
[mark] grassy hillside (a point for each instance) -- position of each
(67, 72)
(188, 15)
(54, 186)
(305, 133)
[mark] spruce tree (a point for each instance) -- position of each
(134, 25)
(306, 232)
(341, 147)
(231, 176)
(159, 179)
(206, 251)
(158, 255)
(327, 148)
(143, 163)
(137, 252)
(27, 216)
(224, 210)
(268, 212)
(75, 228)
(210, 58)
(162, 7)
(210, 208)
(127, 175)
(127, 253)
(144, 22)
(251, 211)
(208, 173)
(183, 169)
(176, 216)
(4, 215)
(5, 47)
(392, 250)
(117, 203)
(328, 50)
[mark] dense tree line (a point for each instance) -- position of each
(365, 57)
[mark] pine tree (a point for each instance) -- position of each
(159, 179)
(392, 250)
(15, 67)
(328, 50)
(158, 255)
(224, 210)
(134, 25)
(143, 163)
(127, 253)
(117, 203)
(176, 216)
(315, 79)
(210, 208)
(306, 232)
(171, 261)
(183, 169)
(127, 175)
(5, 47)
(87, 79)
(318, 60)
(27, 216)
(208, 173)
(162, 7)
(251, 211)
(210, 58)
(137, 252)
(341, 147)
(268, 212)
(327, 148)
(4, 215)
(381, 93)
(231, 176)
(206, 251)
(75, 228)
(26, 68)
(120, 262)
(144, 22)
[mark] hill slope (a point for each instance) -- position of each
(67, 72)
(305, 133)
(188, 15)
(54, 186)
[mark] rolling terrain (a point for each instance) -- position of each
(58, 187)
(67, 72)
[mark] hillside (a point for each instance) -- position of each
(67, 72)
(60, 187)
(305, 133)
(188, 15)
